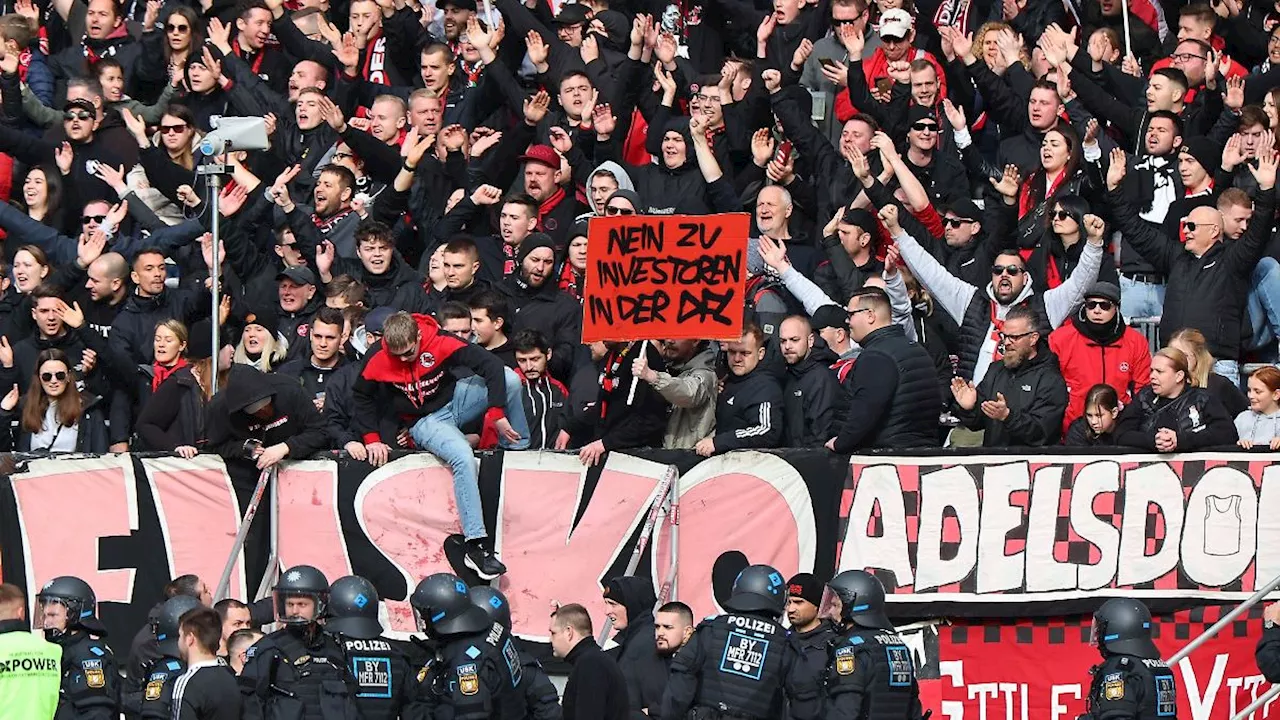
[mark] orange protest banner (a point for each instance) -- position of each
(665, 276)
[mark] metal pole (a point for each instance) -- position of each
(246, 522)
(1263, 699)
(215, 187)
(674, 519)
(1128, 42)
(1204, 637)
(646, 532)
(273, 560)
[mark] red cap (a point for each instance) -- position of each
(544, 154)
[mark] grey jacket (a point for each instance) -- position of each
(691, 390)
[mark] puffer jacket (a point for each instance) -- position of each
(1195, 415)
(1089, 354)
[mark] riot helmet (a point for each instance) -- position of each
(442, 606)
(301, 582)
(353, 608)
(1123, 626)
(165, 627)
(64, 604)
(758, 588)
(493, 603)
(861, 597)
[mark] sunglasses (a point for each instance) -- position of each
(611, 210)
(1018, 336)
(1010, 270)
(60, 376)
(86, 219)
(924, 127)
(1062, 215)
(177, 28)
(1191, 225)
(955, 222)
(407, 355)
(893, 40)
(1099, 304)
(77, 115)
(173, 129)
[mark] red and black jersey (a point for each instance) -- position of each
(391, 393)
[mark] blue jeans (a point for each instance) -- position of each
(1140, 300)
(1229, 369)
(1264, 303)
(438, 433)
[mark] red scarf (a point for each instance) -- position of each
(609, 375)
(547, 206)
(508, 260)
(997, 327)
(569, 280)
(375, 48)
(162, 373)
(1026, 203)
(256, 64)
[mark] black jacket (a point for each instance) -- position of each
(340, 406)
(400, 287)
(134, 328)
(295, 420)
(173, 416)
(1079, 434)
(613, 420)
(91, 429)
(1037, 398)
(749, 411)
(1207, 292)
(596, 689)
(636, 652)
(551, 311)
(1196, 416)
(894, 395)
(546, 407)
(814, 403)
(1268, 654)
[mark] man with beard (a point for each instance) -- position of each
(689, 384)
(1098, 347)
(980, 313)
(150, 304)
(1021, 401)
(332, 218)
(810, 635)
(546, 400)
(542, 182)
(537, 303)
(388, 281)
(629, 605)
(814, 401)
(673, 626)
(749, 409)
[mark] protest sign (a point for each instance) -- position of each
(665, 277)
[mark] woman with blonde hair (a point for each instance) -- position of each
(1171, 414)
(1193, 344)
(173, 417)
(261, 346)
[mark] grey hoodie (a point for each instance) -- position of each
(618, 172)
(1257, 427)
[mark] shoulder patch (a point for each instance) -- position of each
(94, 676)
(97, 650)
(468, 679)
(1113, 686)
(174, 664)
(845, 663)
(472, 652)
(252, 649)
(303, 659)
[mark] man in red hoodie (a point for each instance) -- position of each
(408, 380)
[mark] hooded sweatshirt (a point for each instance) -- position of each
(637, 652)
(619, 174)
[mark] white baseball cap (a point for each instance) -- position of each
(896, 23)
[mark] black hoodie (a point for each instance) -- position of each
(1036, 396)
(814, 401)
(637, 651)
(551, 311)
(294, 421)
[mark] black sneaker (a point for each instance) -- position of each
(483, 562)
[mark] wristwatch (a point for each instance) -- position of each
(1268, 624)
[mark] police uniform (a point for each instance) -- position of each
(541, 699)
(477, 677)
(1127, 687)
(871, 676)
(90, 678)
(285, 677)
(733, 667)
(154, 700)
(382, 674)
(812, 655)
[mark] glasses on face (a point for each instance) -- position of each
(1191, 225)
(407, 355)
(955, 222)
(177, 28)
(924, 127)
(173, 129)
(1061, 215)
(1010, 270)
(1006, 337)
(60, 376)
(1187, 57)
(339, 155)
(711, 99)
(614, 210)
(87, 219)
(76, 115)
(854, 313)
(1104, 305)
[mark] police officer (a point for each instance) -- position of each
(736, 664)
(810, 634)
(870, 673)
(29, 664)
(298, 671)
(477, 672)
(1132, 681)
(153, 699)
(541, 700)
(380, 669)
(90, 679)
